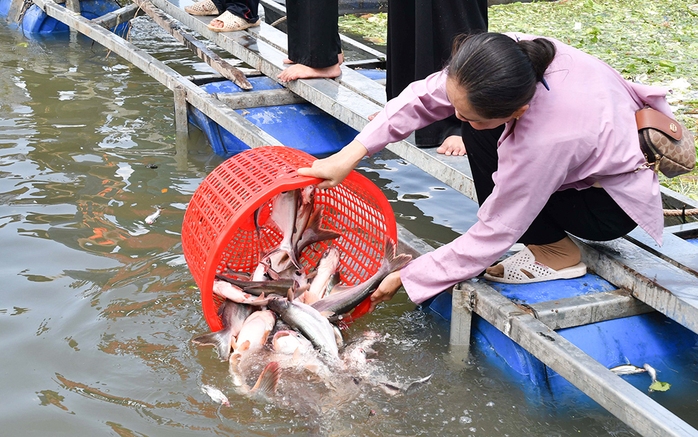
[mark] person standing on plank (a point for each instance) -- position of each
(314, 47)
(420, 39)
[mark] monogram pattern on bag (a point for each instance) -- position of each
(667, 155)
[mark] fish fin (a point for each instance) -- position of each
(416, 383)
(222, 340)
(234, 369)
(268, 380)
(290, 295)
(390, 388)
(244, 346)
(395, 261)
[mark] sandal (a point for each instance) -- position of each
(518, 268)
(231, 23)
(205, 7)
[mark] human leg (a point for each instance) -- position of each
(420, 39)
(590, 214)
(313, 39)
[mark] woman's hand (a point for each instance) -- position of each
(335, 168)
(452, 145)
(386, 290)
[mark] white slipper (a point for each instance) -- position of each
(517, 265)
(202, 8)
(232, 23)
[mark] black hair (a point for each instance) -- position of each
(499, 74)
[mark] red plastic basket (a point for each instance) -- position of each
(218, 231)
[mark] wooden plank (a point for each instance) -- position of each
(329, 95)
(675, 250)
(685, 231)
(16, 11)
(180, 101)
(73, 5)
(661, 285)
(256, 99)
(587, 309)
(121, 15)
(216, 62)
(621, 399)
(236, 124)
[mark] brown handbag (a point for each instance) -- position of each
(667, 145)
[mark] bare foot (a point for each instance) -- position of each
(300, 71)
(452, 145)
(372, 116)
(288, 61)
(216, 23)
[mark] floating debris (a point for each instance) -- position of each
(154, 216)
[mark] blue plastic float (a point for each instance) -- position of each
(36, 22)
(648, 338)
(301, 126)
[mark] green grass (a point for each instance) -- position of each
(649, 41)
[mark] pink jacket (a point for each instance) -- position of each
(580, 132)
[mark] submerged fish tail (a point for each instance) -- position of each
(222, 341)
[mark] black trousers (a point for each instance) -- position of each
(420, 38)
(313, 32)
(247, 9)
(590, 214)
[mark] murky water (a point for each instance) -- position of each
(97, 308)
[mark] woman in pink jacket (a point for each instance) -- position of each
(553, 147)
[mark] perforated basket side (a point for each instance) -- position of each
(218, 232)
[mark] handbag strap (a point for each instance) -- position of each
(651, 118)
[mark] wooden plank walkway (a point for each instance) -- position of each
(648, 277)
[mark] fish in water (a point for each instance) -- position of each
(627, 369)
(253, 336)
(313, 325)
(651, 370)
(232, 315)
(154, 216)
(343, 299)
(216, 395)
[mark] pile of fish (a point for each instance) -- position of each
(284, 315)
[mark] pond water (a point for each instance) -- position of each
(98, 309)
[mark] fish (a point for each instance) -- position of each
(343, 299)
(651, 371)
(313, 325)
(236, 294)
(627, 369)
(252, 337)
(293, 351)
(299, 283)
(154, 216)
(313, 233)
(216, 395)
(283, 214)
(394, 389)
(306, 206)
(232, 315)
(327, 267)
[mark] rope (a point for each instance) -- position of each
(675, 212)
